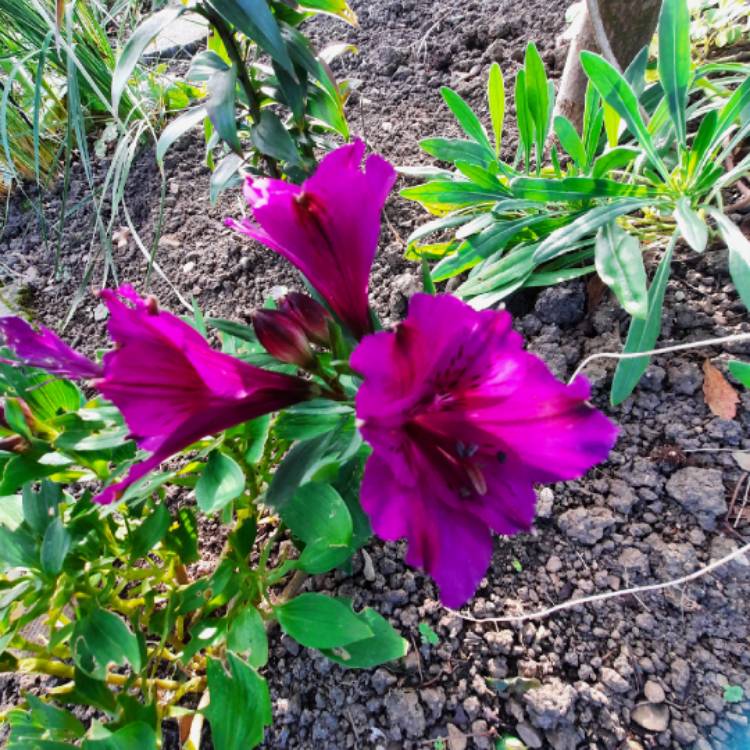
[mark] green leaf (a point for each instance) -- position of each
(255, 19)
(40, 507)
(619, 263)
(221, 481)
(586, 224)
(15, 418)
(575, 189)
(319, 517)
(739, 254)
(384, 645)
(642, 334)
(455, 149)
(55, 546)
(54, 720)
(691, 226)
(139, 40)
(570, 141)
(468, 121)
(177, 128)
(247, 636)
(338, 8)
(18, 548)
(613, 160)
(21, 469)
(240, 707)
(202, 635)
(524, 121)
(741, 371)
(733, 694)
(220, 106)
(618, 94)
(256, 432)
(48, 398)
(496, 102)
(100, 639)
(446, 195)
(674, 61)
(150, 532)
(537, 97)
(183, 538)
(310, 419)
(270, 137)
(318, 621)
(225, 175)
(428, 634)
(135, 736)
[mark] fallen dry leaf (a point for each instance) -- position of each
(721, 398)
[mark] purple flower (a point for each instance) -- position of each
(463, 422)
(45, 350)
(173, 389)
(311, 316)
(282, 337)
(328, 227)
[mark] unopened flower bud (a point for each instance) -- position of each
(14, 444)
(311, 316)
(283, 337)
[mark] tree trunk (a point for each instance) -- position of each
(617, 30)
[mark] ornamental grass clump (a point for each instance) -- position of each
(312, 426)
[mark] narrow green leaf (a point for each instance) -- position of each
(739, 254)
(524, 120)
(255, 19)
(139, 40)
(176, 129)
(496, 102)
(318, 621)
(270, 137)
(570, 141)
(221, 481)
(585, 225)
(619, 263)
(576, 189)
(642, 334)
(691, 226)
(468, 121)
(674, 61)
(616, 92)
(455, 149)
(537, 97)
(613, 160)
(741, 371)
(220, 106)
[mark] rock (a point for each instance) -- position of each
(700, 492)
(405, 712)
(554, 564)
(654, 692)
(403, 287)
(100, 312)
(496, 51)
(381, 680)
(545, 499)
(586, 525)
(684, 732)
(677, 559)
(480, 733)
(471, 705)
(721, 546)
(614, 681)
(634, 562)
(550, 705)
(368, 569)
(500, 641)
(189, 267)
(391, 60)
(529, 736)
(456, 738)
(653, 717)
(679, 675)
(562, 305)
(564, 738)
(621, 497)
(685, 378)
(434, 699)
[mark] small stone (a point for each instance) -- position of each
(500, 641)
(679, 675)
(456, 738)
(381, 680)
(586, 525)
(100, 312)
(654, 692)
(554, 564)
(550, 705)
(368, 569)
(634, 562)
(562, 305)
(544, 502)
(480, 733)
(684, 732)
(621, 497)
(188, 267)
(405, 712)
(434, 699)
(700, 492)
(614, 681)
(653, 717)
(529, 736)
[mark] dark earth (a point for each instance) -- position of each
(640, 671)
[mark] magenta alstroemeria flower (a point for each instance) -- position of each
(45, 350)
(174, 389)
(463, 422)
(327, 227)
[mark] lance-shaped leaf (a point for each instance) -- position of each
(619, 263)
(739, 254)
(674, 61)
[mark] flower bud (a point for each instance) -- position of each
(283, 337)
(311, 316)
